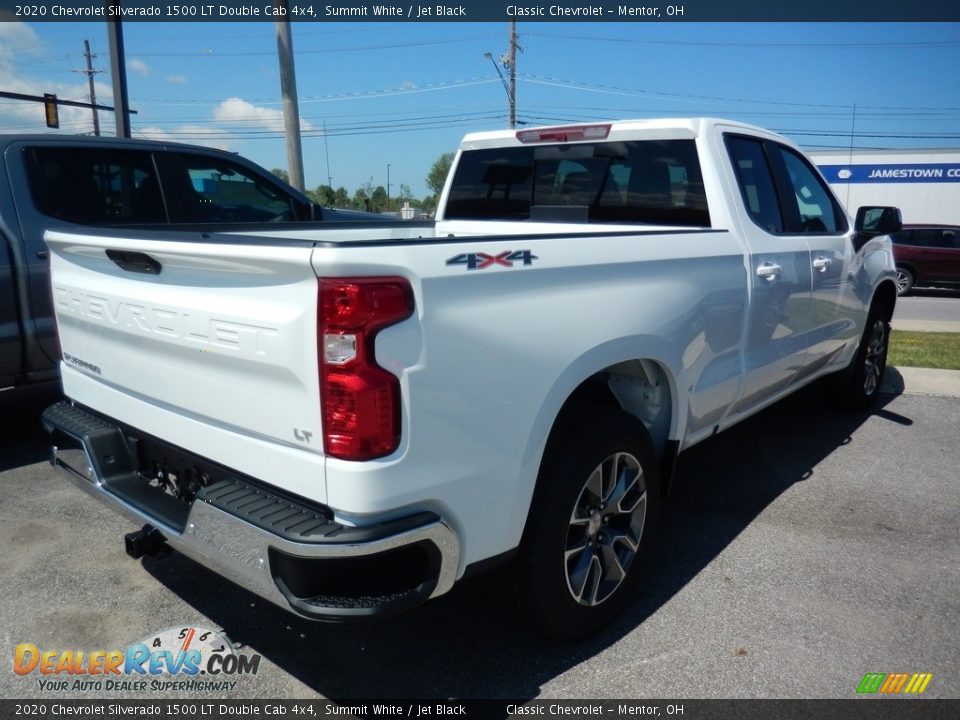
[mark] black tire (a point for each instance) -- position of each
(905, 280)
(583, 548)
(861, 383)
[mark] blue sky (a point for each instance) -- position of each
(402, 94)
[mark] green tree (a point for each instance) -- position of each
(406, 196)
(282, 174)
(438, 173)
(324, 195)
(429, 204)
(378, 199)
(341, 198)
(361, 200)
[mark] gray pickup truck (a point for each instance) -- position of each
(60, 182)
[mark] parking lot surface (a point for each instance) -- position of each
(800, 550)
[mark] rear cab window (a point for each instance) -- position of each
(656, 182)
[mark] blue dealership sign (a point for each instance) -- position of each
(906, 173)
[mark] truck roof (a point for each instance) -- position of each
(64, 140)
(674, 128)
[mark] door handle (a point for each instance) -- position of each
(769, 271)
(136, 262)
(822, 263)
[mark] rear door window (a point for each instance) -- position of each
(756, 182)
(96, 186)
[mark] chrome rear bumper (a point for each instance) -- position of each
(281, 548)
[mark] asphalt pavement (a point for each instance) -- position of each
(802, 549)
(928, 311)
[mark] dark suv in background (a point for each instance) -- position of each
(927, 256)
(62, 182)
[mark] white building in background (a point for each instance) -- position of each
(924, 184)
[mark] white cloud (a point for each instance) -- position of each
(176, 79)
(24, 116)
(16, 40)
(139, 67)
(236, 110)
(190, 134)
(17, 33)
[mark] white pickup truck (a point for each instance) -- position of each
(348, 420)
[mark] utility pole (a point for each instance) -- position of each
(118, 71)
(509, 61)
(326, 151)
(90, 72)
(388, 187)
(512, 60)
(288, 87)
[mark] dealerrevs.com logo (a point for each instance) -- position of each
(176, 659)
(894, 683)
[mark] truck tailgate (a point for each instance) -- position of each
(221, 333)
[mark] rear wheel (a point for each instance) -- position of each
(905, 280)
(590, 525)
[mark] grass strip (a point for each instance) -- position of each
(925, 349)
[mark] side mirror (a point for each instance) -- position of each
(878, 221)
(874, 221)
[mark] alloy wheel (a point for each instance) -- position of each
(875, 359)
(605, 529)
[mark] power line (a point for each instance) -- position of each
(359, 95)
(837, 45)
(615, 90)
(405, 45)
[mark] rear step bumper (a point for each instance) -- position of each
(281, 547)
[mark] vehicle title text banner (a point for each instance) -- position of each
(479, 11)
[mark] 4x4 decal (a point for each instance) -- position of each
(481, 261)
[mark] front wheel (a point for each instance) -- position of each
(590, 525)
(861, 384)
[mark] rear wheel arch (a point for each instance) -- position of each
(643, 388)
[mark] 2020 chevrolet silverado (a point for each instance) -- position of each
(56, 181)
(349, 421)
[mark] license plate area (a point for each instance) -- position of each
(176, 472)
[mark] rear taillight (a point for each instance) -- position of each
(360, 400)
